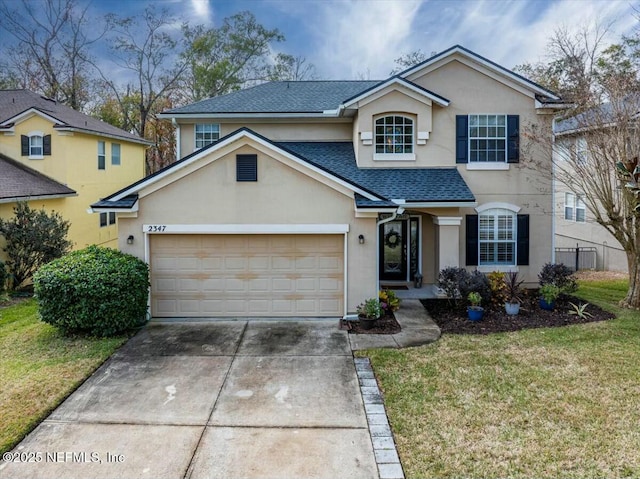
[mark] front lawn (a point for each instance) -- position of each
(544, 403)
(39, 368)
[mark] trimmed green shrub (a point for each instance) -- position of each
(559, 275)
(99, 291)
(457, 283)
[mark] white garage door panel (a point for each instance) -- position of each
(247, 275)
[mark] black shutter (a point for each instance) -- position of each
(46, 145)
(513, 139)
(462, 138)
(471, 230)
(523, 240)
(24, 145)
(247, 167)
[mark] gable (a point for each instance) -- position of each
(210, 193)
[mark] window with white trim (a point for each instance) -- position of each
(102, 155)
(582, 150)
(206, 133)
(394, 135)
(497, 237)
(107, 219)
(574, 208)
(487, 138)
(115, 153)
(35, 145)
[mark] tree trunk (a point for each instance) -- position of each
(632, 300)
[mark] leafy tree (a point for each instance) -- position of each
(232, 56)
(51, 50)
(33, 238)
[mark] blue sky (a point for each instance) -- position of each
(361, 38)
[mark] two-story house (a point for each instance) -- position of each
(579, 239)
(59, 159)
(303, 198)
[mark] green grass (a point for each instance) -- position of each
(544, 403)
(40, 367)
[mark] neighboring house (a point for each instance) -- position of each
(579, 238)
(59, 159)
(302, 198)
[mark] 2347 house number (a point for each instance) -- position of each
(156, 228)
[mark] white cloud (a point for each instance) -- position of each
(201, 11)
(361, 38)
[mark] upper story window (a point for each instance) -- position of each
(487, 140)
(497, 237)
(582, 150)
(394, 135)
(102, 155)
(115, 153)
(206, 133)
(36, 145)
(574, 208)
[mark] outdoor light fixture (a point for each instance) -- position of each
(361, 239)
(130, 239)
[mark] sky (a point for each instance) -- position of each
(359, 39)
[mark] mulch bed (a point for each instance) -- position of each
(453, 319)
(385, 325)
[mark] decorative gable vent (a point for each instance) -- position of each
(246, 167)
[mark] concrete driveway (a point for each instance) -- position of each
(212, 400)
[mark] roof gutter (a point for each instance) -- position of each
(106, 135)
(15, 199)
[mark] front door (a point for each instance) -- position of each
(393, 250)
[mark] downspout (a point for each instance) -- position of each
(177, 127)
(553, 192)
(395, 214)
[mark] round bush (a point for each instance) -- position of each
(96, 290)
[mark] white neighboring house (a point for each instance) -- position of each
(575, 226)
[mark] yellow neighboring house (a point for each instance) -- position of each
(59, 159)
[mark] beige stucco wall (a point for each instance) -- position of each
(300, 130)
(282, 195)
(74, 162)
(391, 102)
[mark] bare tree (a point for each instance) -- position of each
(597, 145)
(290, 68)
(51, 50)
(148, 50)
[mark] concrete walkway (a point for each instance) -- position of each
(218, 400)
(417, 329)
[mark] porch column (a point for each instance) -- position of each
(448, 236)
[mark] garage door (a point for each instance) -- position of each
(247, 275)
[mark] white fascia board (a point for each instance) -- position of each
(27, 114)
(226, 142)
(441, 204)
(140, 141)
(247, 229)
(552, 106)
(195, 116)
(15, 199)
(398, 81)
(106, 209)
(505, 72)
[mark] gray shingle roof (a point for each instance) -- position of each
(15, 102)
(21, 182)
(124, 203)
(410, 184)
(281, 97)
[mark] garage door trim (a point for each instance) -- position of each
(254, 229)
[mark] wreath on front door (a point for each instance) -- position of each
(392, 239)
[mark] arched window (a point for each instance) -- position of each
(394, 135)
(497, 237)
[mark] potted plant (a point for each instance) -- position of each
(369, 312)
(548, 294)
(512, 289)
(475, 311)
